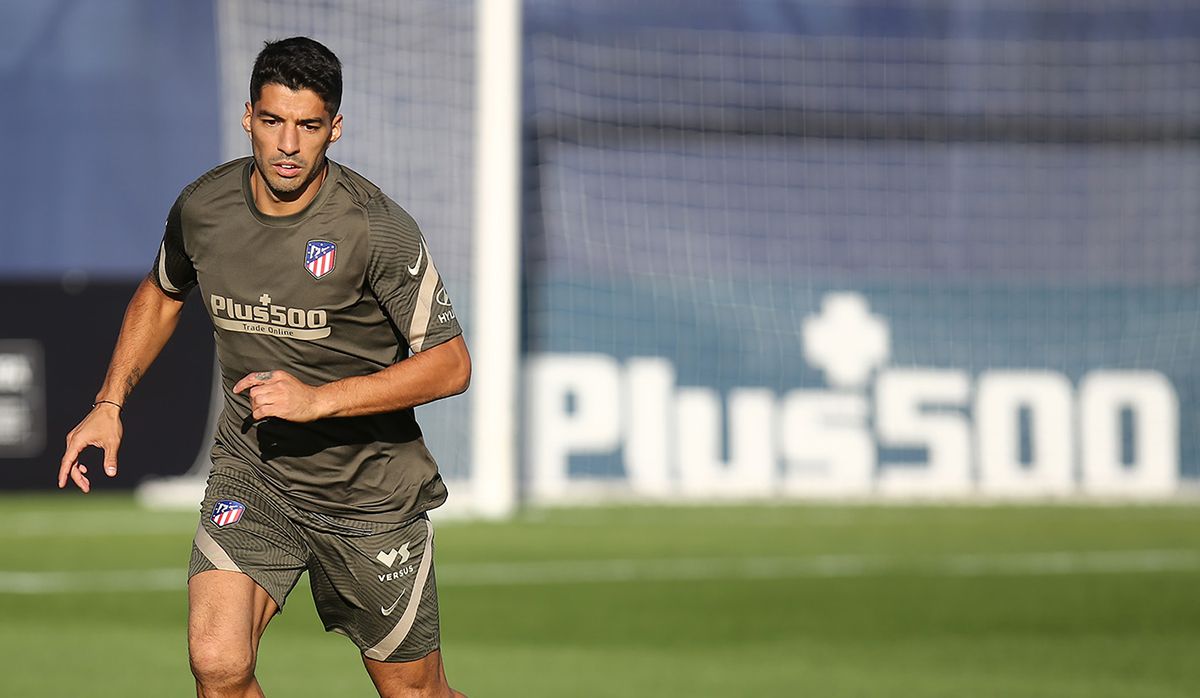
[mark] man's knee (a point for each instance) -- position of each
(227, 613)
(219, 665)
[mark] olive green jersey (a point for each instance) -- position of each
(344, 288)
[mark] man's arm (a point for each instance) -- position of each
(430, 375)
(150, 319)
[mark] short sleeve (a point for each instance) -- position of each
(173, 270)
(403, 277)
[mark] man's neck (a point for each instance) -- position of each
(268, 203)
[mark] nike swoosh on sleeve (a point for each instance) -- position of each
(416, 267)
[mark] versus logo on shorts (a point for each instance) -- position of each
(319, 256)
(227, 512)
(389, 558)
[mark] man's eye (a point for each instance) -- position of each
(311, 127)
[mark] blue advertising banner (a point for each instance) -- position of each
(858, 252)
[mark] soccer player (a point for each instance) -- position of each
(319, 288)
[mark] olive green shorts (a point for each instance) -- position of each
(372, 582)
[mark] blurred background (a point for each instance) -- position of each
(779, 260)
(767, 249)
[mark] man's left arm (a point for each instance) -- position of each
(435, 373)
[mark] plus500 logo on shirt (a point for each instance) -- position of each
(268, 318)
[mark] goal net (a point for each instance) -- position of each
(933, 251)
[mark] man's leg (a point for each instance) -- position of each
(424, 678)
(227, 614)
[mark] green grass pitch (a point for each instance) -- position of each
(771, 600)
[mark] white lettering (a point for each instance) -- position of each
(750, 469)
(272, 319)
(15, 422)
(904, 418)
(16, 373)
(575, 402)
(1000, 397)
(1153, 466)
(267, 329)
(403, 572)
(648, 392)
(826, 446)
(1017, 437)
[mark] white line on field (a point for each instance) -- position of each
(677, 569)
(76, 582)
(818, 567)
(93, 524)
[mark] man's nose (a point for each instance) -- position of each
(289, 142)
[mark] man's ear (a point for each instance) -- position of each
(335, 128)
(247, 117)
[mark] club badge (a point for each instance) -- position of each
(319, 256)
(227, 512)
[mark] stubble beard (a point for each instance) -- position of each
(282, 188)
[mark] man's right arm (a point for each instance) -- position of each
(150, 319)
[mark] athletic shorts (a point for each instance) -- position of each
(372, 582)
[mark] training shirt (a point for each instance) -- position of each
(344, 288)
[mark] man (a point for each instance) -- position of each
(318, 287)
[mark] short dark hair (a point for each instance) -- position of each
(299, 63)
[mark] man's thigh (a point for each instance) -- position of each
(226, 611)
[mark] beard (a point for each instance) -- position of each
(287, 188)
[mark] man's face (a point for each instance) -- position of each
(290, 131)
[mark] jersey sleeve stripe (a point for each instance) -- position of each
(424, 308)
(163, 280)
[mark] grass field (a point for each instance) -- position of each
(748, 601)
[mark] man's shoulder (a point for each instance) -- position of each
(380, 207)
(361, 190)
(222, 178)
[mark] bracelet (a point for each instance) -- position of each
(99, 402)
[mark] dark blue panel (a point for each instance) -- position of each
(1016, 19)
(116, 108)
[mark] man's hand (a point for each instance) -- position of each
(280, 394)
(102, 429)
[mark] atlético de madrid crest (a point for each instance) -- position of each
(227, 511)
(318, 257)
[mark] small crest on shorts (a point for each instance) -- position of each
(319, 256)
(227, 511)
